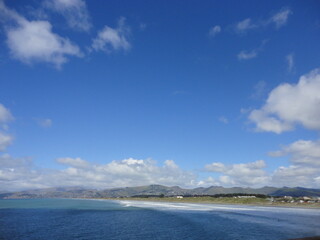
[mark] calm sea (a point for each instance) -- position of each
(55, 219)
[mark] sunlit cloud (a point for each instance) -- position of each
(291, 104)
(34, 41)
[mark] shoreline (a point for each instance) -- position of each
(221, 202)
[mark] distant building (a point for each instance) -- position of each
(179, 196)
(246, 196)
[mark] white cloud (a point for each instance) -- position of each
(296, 175)
(259, 90)
(20, 174)
(245, 25)
(266, 123)
(34, 41)
(142, 26)
(291, 104)
(223, 120)
(45, 123)
(245, 55)
(216, 167)
(304, 170)
(209, 181)
(5, 116)
(5, 141)
(74, 162)
(280, 18)
(75, 12)
(109, 39)
(214, 30)
(243, 174)
(290, 62)
(301, 152)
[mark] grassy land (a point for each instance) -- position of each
(224, 200)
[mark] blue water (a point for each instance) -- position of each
(54, 219)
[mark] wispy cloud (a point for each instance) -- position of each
(245, 55)
(290, 62)
(179, 92)
(245, 25)
(223, 119)
(280, 18)
(74, 11)
(110, 39)
(214, 31)
(45, 123)
(259, 90)
(142, 26)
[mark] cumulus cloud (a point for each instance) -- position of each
(20, 174)
(291, 104)
(243, 174)
(34, 41)
(214, 30)
(110, 39)
(304, 157)
(74, 11)
(296, 175)
(301, 152)
(280, 18)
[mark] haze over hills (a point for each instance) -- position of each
(151, 190)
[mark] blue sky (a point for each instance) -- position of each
(127, 93)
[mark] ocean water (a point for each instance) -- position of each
(55, 219)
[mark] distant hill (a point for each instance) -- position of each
(152, 190)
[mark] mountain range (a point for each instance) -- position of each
(153, 190)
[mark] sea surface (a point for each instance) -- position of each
(66, 219)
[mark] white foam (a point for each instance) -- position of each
(214, 207)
